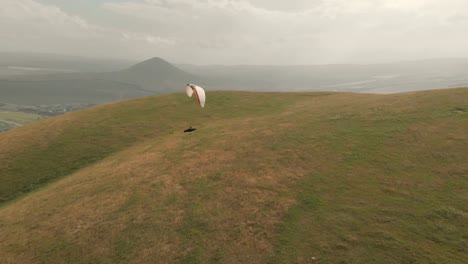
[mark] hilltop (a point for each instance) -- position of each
(155, 75)
(267, 177)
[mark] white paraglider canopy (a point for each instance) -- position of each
(191, 89)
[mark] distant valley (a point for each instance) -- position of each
(382, 78)
(40, 81)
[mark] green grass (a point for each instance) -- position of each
(375, 209)
(266, 178)
(95, 134)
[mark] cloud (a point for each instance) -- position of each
(226, 23)
(324, 31)
(245, 31)
(150, 39)
(30, 14)
(28, 25)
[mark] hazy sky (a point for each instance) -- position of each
(239, 31)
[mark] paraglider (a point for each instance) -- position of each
(191, 89)
(199, 92)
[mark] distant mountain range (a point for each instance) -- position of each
(372, 78)
(71, 80)
(153, 76)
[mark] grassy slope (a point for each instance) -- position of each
(281, 178)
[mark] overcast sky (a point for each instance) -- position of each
(239, 31)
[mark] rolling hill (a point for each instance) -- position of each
(267, 178)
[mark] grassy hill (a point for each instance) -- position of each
(266, 178)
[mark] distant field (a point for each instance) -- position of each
(265, 178)
(66, 91)
(13, 119)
